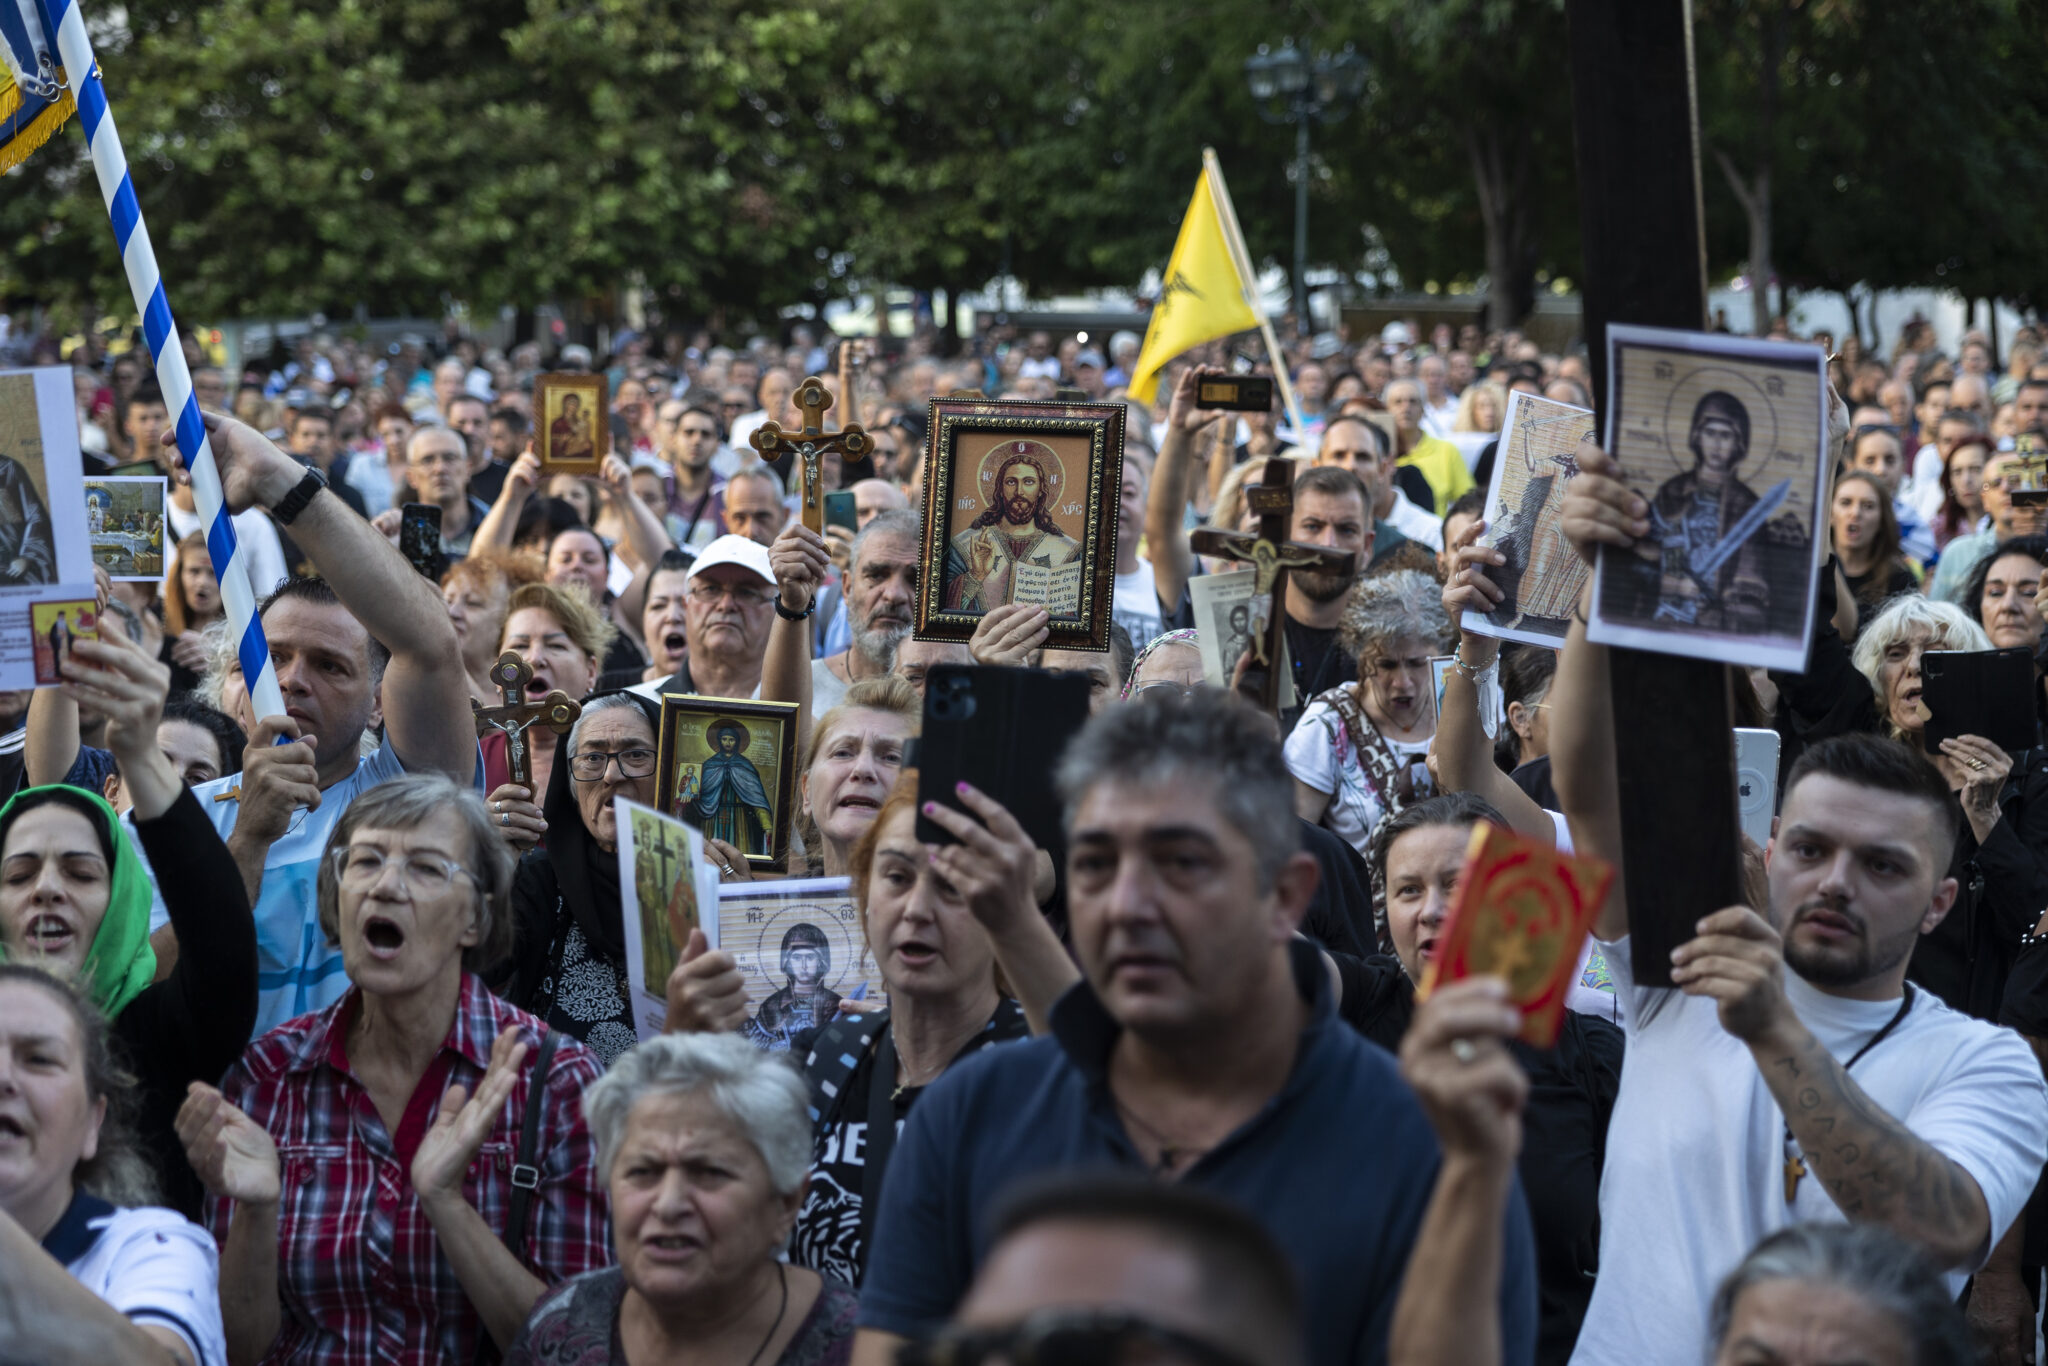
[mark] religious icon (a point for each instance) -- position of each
(1521, 912)
(1541, 582)
(572, 423)
(800, 947)
(124, 517)
(667, 889)
(1735, 475)
(56, 625)
(1015, 498)
(728, 767)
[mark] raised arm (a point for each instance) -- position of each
(1448, 1313)
(425, 692)
(496, 529)
(1875, 1168)
(1599, 510)
(1166, 536)
(1463, 752)
(798, 557)
(238, 1163)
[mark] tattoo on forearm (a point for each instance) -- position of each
(1873, 1166)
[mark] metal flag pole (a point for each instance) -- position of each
(65, 26)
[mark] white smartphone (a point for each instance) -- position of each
(1756, 781)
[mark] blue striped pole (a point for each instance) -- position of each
(81, 72)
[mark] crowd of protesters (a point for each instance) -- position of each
(316, 1035)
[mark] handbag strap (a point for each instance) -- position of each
(881, 1136)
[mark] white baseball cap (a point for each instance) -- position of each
(731, 549)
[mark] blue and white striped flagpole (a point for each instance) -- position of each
(66, 28)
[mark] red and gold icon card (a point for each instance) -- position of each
(1521, 912)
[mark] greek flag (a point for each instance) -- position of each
(33, 100)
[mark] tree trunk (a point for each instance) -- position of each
(1500, 173)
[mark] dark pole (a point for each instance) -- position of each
(1301, 116)
(1637, 137)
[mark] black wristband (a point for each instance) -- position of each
(292, 504)
(788, 615)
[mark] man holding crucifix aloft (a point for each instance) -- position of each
(1796, 1075)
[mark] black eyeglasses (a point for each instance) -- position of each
(1064, 1337)
(589, 766)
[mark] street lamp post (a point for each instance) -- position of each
(1290, 86)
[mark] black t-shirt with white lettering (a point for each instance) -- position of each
(827, 1237)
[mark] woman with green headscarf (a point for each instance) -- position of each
(75, 898)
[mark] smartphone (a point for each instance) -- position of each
(840, 511)
(419, 538)
(1756, 781)
(1238, 393)
(1987, 693)
(1002, 730)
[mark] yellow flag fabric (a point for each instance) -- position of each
(1202, 297)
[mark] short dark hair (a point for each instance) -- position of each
(1372, 429)
(1332, 481)
(2034, 548)
(226, 731)
(1470, 503)
(314, 411)
(1123, 652)
(1246, 1278)
(467, 397)
(514, 420)
(148, 391)
(1462, 810)
(317, 591)
(1872, 761)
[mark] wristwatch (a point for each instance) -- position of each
(788, 615)
(303, 492)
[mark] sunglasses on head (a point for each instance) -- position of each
(1067, 1337)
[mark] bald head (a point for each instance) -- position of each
(871, 496)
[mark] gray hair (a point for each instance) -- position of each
(1395, 606)
(221, 660)
(758, 1091)
(763, 473)
(1209, 735)
(1878, 1267)
(403, 803)
(597, 706)
(889, 522)
(1947, 626)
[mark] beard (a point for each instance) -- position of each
(1853, 962)
(877, 640)
(1021, 511)
(1323, 587)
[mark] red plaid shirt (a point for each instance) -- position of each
(359, 1270)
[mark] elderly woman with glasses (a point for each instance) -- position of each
(370, 1184)
(568, 962)
(704, 1145)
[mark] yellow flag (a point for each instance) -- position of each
(1203, 296)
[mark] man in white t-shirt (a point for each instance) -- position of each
(1794, 1075)
(1135, 603)
(369, 642)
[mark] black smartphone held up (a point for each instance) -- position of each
(840, 511)
(419, 538)
(1988, 693)
(1002, 730)
(1238, 393)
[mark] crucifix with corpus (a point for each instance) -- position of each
(810, 446)
(557, 711)
(1271, 555)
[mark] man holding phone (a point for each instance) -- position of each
(437, 466)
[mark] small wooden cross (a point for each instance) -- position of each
(1795, 1167)
(557, 711)
(1271, 555)
(811, 445)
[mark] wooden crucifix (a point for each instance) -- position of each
(811, 445)
(557, 711)
(1271, 555)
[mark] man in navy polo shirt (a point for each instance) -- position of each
(1202, 1046)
